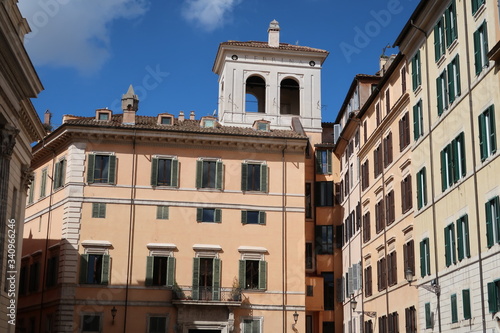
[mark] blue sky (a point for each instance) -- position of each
(87, 52)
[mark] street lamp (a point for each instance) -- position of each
(433, 288)
(113, 313)
(295, 317)
(354, 303)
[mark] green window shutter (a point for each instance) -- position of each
(105, 269)
(448, 26)
(424, 186)
(453, 245)
(170, 272)
(218, 215)
(483, 146)
(466, 235)
(175, 173)
(84, 264)
(497, 217)
(196, 278)
(493, 139)
(440, 93)
(244, 176)
(489, 224)
(262, 217)
(466, 304)
(262, 275)
(162, 212)
(444, 170)
(457, 67)
(329, 161)
(90, 168)
(419, 190)
(454, 310)
(242, 273)
(485, 47)
(414, 73)
(55, 182)
(318, 162)
(447, 245)
(428, 322)
(199, 214)
(44, 183)
(427, 256)
(460, 238)
(62, 175)
(216, 280)
(492, 297)
(31, 195)
(154, 171)
(477, 52)
(416, 120)
(112, 170)
(218, 179)
(199, 173)
(263, 178)
(437, 43)
(243, 217)
(463, 164)
(149, 270)
(95, 210)
(102, 210)
(451, 83)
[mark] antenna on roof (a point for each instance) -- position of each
(388, 46)
(214, 113)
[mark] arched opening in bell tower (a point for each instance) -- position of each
(255, 94)
(289, 97)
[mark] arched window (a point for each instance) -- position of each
(255, 94)
(289, 96)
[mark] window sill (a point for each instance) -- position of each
(453, 45)
(441, 59)
(479, 11)
(417, 90)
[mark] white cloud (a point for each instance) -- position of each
(209, 14)
(75, 33)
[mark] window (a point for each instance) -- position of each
(253, 274)
(328, 326)
(382, 324)
(43, 183)
(421, 188)
(387, 150)
(439, 42)
(365, 175)
(254, 177)
(366, 227)
(262, 125)
(324, 239)
(324, 162)
(162, 212)
(476, 4)
(365, 131)
(493, 221)
(289, 97)
(207, 122)
(31, 192)
(91, 323)
(103, 115)
(487, 133)
(160, 271)
(368, 281)
(328, 287)
(164, 171)
(34, 277)
(442, 93)
(98, 210)
(52, 271)
(101, 168)
(166, 120)
(481, 48)
(449, 245)
(428, 315)
(466, 304)
(454, 79)
(255, 94)
(253, 217)
(393, 321)
(309, 324)
(453, 166)
(409, 257)
(406, 195)
(494, 296)
(377, 114)
(324, 194)
(392, 269)
(425, 258)
(411, 319)
(157, 325)
(309, 256)
(454, 310)
(206, 278)
(368, 326)
(94, 268)
(209, 174)
(450, 17)
(387, 101)
(404, 131)
(59, 174)
(463, 237)
(418, 120)
(403, 79)
(379, 216)
(208, 215)
(381, 274)
(415, 71)
(377, 164)
(251, 326)
(308, 205)
(389, 207)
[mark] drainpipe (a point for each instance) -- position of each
(131, 230)
(283, 233)
(476, 199)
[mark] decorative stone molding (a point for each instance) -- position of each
(27, 176)
(8, 136)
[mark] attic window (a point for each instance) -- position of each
(166, 120)
(261, 125)
(208, 122)
(103, 115)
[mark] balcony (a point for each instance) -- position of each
(189, 295)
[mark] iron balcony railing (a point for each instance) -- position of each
(189, 293)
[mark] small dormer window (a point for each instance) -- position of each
(261, 125)
(103, 114)
(165, 119)
(207, 122)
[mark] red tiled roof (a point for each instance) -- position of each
(283, 46)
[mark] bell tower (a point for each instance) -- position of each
(270, 80)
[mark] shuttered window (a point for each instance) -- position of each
(253, 274)
(418, 120)
(415, 71)
(428, 315)
(254, 177)
(442, 93)
(404, 131)
(421, 188)
(388, 150)
(323, 194)
(481, 48)
(160, 271)
(487, 133)
(379, 216)
(406, 194)
(381, 274)
(454, 79)
(466, 304)
(493, 221)
(324, 239)
(324, 162)
(59, 174)
(366, 227)
(43, 183)
(449, 245)
(463, 245)
(365, 175)
(99, 210)
(453, 162)
(368, 281)
(389, 207)
(206, 279)
(454, 308)
(392, 269)
(439, 42)
(101, 168)
(476, 4)
(409, 257)
(208, 215)
(162, 212)
(164, 172)
(209, 174)
(253, 217)
(425, 258)
(450, 16)
(94, 269)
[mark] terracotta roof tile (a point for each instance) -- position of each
(283, 46)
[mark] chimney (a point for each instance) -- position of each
(130, 105)
(191, 115)
(46, 118)
(274, 34)
(181, 116)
